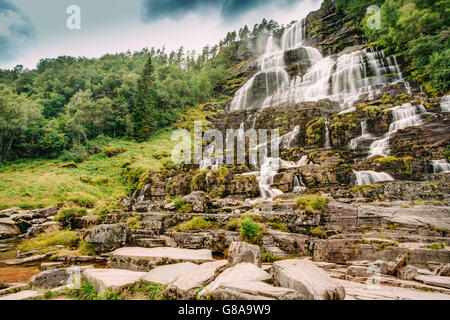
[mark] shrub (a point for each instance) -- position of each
(251, 231)
(86, 292)
(179, 202)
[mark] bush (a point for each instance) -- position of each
(251, 231)
(179, 202)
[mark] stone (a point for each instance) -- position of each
(305, 277)
(386, 267)
(50, 279)
(2, 285)
(253, 290)
(169, 273)
(444, 271)
(358, 271)
(85, 221)
(8, 228)
(145, 259)
(362, 291)
(23, 295)
(244, 252)
(114, 280)
(187, 284)
(50, 265)
(437, 281)
(107, 237)
(199, 201)
(407, 273)
(398, 263)
(43, 228)
(45, 212)
(14, 262)
(242, 272)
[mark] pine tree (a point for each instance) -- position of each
(145, 104)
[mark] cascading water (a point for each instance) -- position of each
(299, 185)
(440, 166)
(343, 78)
(404, 116)
(363, 178)
(365, 135)
(445, 104)
(327, 134)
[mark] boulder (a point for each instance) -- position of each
(23, 295)
(107, 237)
(8, 228)
(114, 280)
(244, 252)
(407, 273)
(253, 290)
(50, 279)
(169, 273)
(437, 281)
(358, 271)
(242, 272)
(85, 221)
(199, 201)
(305, 277)
(145, 259)
(50, 265)
(45, 212)
(444, 271)
(2, 285)
(42, 228)
(187, 284)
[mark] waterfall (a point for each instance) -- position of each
(344, 78)
(365, 135)
(327, 134)
(404, 116)
(445, 104)
(362, 178)
(440, 166)
(299, 185)
(268, 171)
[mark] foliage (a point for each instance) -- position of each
(179, 203)
(86, 292)
(67, 217)
(197, 223)
(134, 222)
(63, 237)
(251, 231)
(312, 203)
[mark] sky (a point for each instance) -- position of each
(31, 30)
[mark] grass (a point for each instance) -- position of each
(312, 203)
(436, 246)
(47, 242)
(197, 223)
(101, 178)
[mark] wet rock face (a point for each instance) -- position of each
(107, 237)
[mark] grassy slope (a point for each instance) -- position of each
(40, 182)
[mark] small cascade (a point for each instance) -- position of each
(404, 116)
(327, 134)
(365, 135)
(445, 104)
(440, 166)
(267, 172)
(299, 185)
(363, 178)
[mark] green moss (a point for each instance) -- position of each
(312, 203)
(436, 246)
(318, 231)
(134, 222)
(178, 203)
(279, 226)
(197, 223)
(186, 208)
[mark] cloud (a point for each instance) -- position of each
(153, 10)
(16, 31)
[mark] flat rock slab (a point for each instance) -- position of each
(359, 291)
(187, 284)
(14, 262)
(254, 290)
(23, 295)
(146, 259)
(437, 281)
(169, 273)
(111, 279)
(305, 277)
(242, 272)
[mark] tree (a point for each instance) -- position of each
(144, 110)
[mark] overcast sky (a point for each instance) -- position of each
(35, 29)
